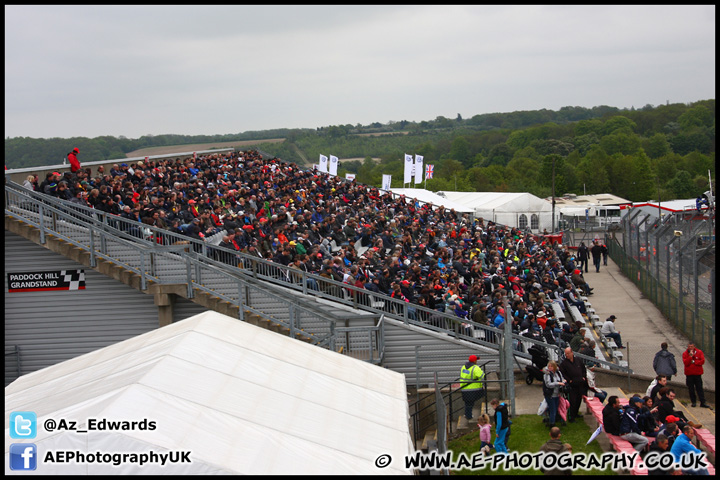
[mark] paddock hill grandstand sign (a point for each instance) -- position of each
(44, 281)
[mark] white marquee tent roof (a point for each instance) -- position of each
(432, 197)
(500, 201)
(242, 399)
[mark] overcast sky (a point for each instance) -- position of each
(86, 71)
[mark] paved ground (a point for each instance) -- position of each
(643, 329)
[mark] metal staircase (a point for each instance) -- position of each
(337, 316)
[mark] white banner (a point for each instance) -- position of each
(350, 176)
(418, 169)
(323, 166)
(386, 182)
(333, 165)
(409, 168)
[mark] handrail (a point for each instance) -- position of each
(146, 257)
(278, 274)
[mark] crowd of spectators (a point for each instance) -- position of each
(422, 254)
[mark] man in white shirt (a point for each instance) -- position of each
(608, 329)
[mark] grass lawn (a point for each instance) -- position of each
(528, 434)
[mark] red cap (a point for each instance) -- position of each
(671, 418)
(473, 358)
(76, 150)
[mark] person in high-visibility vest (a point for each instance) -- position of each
(471, 376)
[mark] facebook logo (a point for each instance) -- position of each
(23, 425)
(23, 456)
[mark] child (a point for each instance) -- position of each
(485, 433)
(502, 425)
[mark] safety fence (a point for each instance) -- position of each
(161, 256)
(672, 262)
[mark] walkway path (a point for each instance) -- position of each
(643, 329)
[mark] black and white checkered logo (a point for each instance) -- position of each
(74, 279)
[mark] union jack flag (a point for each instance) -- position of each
(429, 171)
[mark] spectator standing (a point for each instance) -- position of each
(664, 362)
(604, 251)
(553, 382)
(74, 162)
(485, 433)
(608, 329)
(502, 425)
(556, 446)
(694, 359)
(596, 251)
(471, 376)
(573, 369)
(583, 256)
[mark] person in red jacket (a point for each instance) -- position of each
(74, 162)
(693, 359)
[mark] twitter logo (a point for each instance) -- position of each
(23, 425)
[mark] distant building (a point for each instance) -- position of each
(604, 199)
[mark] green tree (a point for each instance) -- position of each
(642, 172)
(500, 154)
(617, 124)
(460, 151)
(656, 146)
(521, 174)
(697, 164)
(593, 176)
(545, 173)
(697, 116)
(487, 179)
(620, 143)
(681, 185)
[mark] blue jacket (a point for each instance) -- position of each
(629, 421)
(501, 418)
(682, 445)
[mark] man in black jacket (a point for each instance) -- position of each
(573, 369)
(660, 446)
(612, 415)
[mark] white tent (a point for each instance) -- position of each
(431, 197)
(522, 210)
(241, 399)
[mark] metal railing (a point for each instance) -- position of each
(672, 262)
(168, 264)
(162, 256)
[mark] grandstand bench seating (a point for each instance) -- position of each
(595, 407)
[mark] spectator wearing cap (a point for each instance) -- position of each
(608, 329)
(479, 314)
(73, 160)
(471, 384)
(630, 424)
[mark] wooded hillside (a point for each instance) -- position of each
(637, 154)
